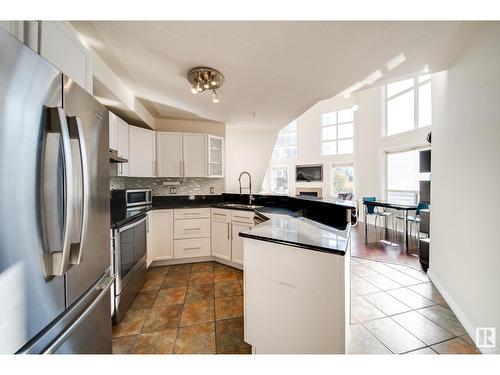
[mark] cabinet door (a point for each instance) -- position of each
(113, 132)
(169, 154)
(142, 152)
(195, 154)
(122, 139)
(237, 241)
(215, 156)
(149, 238)
(163, 235)
(221, 239)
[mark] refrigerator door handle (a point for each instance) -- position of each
(81, 188)
(56, 259)
(103, 287)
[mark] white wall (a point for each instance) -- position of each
(369, 145)
(465, 250)
(248, 150)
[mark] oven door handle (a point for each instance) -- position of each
(131, 225)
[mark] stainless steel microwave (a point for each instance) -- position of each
(133, 197)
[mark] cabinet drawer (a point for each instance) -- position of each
(193, 228)
(221, 214)
(242, 216)
(189, 248)
(191, 213)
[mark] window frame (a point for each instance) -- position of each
(295, 145)
(273, 190)
(346, 163)
(416, 99)
(337, 139)
(386, 179)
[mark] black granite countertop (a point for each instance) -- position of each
(300, 232)
(310, 223)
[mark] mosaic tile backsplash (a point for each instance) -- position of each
(188, 186)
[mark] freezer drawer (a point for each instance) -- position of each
(84, 328)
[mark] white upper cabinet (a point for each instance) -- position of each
(189, 155)
(142, 152)
(113, 131)
(195, 155)
(169, 154)
(215, 156)
(122, 145)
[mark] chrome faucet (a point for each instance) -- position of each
(250, 197)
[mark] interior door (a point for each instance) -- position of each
(29, 300)
(95, 259)
(195, 155)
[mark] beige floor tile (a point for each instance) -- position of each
(424, 329)
(362, 311)
(382, 282)
(393, 336)
(361, 286)
(429, 291)
(445, 318)
(363, 342)
(402, 278)
(386, 303)
(423, 351)
(455, 346)
(410, 298)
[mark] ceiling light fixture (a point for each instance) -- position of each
(203, 78)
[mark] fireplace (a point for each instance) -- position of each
(309, 191)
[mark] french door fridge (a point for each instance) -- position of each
(54, 210)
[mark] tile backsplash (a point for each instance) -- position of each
(188, 186)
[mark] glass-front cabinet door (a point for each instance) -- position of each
(215, 156)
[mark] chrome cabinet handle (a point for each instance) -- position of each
(192, 248)
(56, 260)
(192, 228)
(80, 198)
(228, 229)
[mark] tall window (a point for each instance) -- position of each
(279, 180)
(403, 177)
(342, 178)
(337, 132)
(408, 104)
(286, 144)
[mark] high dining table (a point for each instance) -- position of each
(397, 206)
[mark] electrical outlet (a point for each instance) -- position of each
(212, 190)
(173, 190)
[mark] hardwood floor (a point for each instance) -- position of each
(384, 245)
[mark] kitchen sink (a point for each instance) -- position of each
(241, 206)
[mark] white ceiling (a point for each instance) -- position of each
(275, 70)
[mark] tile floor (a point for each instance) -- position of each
(396, 309)
(198, 308)
(189, 308)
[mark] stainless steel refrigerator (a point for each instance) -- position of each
(54, 210)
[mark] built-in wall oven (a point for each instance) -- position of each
(129, 262)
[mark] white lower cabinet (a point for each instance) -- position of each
(237, 241)
(163, 245)
(190, 233)
(221, 239)
(191, 248)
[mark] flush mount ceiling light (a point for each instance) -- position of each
(202, 79)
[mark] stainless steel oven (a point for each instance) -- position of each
(129, 263)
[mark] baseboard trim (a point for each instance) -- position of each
(195, 260)
(459, 313)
